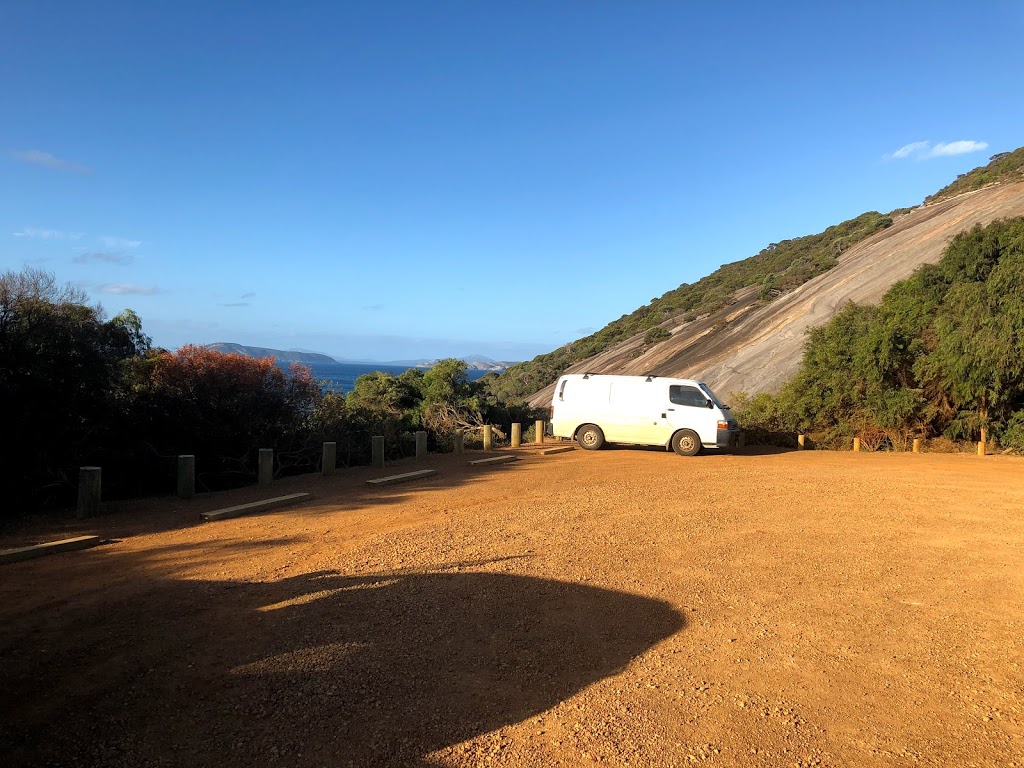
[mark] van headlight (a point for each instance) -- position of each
(723, 425)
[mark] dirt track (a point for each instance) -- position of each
(627, 607)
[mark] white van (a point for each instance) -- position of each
(681, 414)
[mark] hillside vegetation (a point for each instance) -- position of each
(942, 355)
(778, 268)
(1006, 166)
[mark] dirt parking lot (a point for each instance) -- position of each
(625, 607)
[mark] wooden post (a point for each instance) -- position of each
(265, 475)
(538, 434)
(329, 462)
(421, 445)
(856, 445)
(981, 447)
(487, 436)
(741, 441)
(517, 435)
(89, 481)
(377, 442)
(800, 442)
(186, 477)
(460, 442)
(917, 445)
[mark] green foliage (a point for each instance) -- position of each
(778, 268)
(943, 354)
(1004, 167)
(63, 383)
(656, 334)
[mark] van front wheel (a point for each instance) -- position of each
(685, 442)
(590, 436)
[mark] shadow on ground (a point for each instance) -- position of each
(320, 669)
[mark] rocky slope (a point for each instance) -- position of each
(750, 346)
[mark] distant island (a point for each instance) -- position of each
(473, 362)
(281, 355)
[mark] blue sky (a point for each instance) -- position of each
(393, 180)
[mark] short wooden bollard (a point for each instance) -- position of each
(741, 441)
(186, 476)
(517, 435)
(538, 431)
(329, 460)
(89, 482)
(265, 475)
(460, 442)
(917, 445)
(800, 442)
(421, 445)
(856, 445)
(488, 436)
(981, 447)
(377, 444)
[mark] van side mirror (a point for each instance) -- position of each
(710, 404)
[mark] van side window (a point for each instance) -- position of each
(561, 389)
(684, 395)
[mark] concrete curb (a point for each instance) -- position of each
(48, 548)
(256, 506)
(562, 449)
(495, 459)
(403, 477)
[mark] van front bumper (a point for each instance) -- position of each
(728, 438)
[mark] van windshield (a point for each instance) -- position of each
(707, 391)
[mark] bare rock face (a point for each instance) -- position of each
(754, 347)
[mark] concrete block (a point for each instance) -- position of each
(560, 449)
(257, 506)
(495, 459)
(403, 477)
(49, 548)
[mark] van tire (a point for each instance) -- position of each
(590, 437)
(685, 442)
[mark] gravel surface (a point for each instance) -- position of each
(623, 607)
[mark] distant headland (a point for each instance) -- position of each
(473, 362)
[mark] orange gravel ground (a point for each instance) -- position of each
(624, 607)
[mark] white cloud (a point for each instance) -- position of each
(943, 149)
(909, 149)
(924, 150)
(47, 160)
(120, 242)
(122, 289)
(47, 234)
(109, 257)
(248, 295)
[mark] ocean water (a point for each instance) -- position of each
(341, 377)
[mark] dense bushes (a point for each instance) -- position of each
(77, 389)
(942, 355)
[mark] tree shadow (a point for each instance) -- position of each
(319, 669)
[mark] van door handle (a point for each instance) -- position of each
(671, 409)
